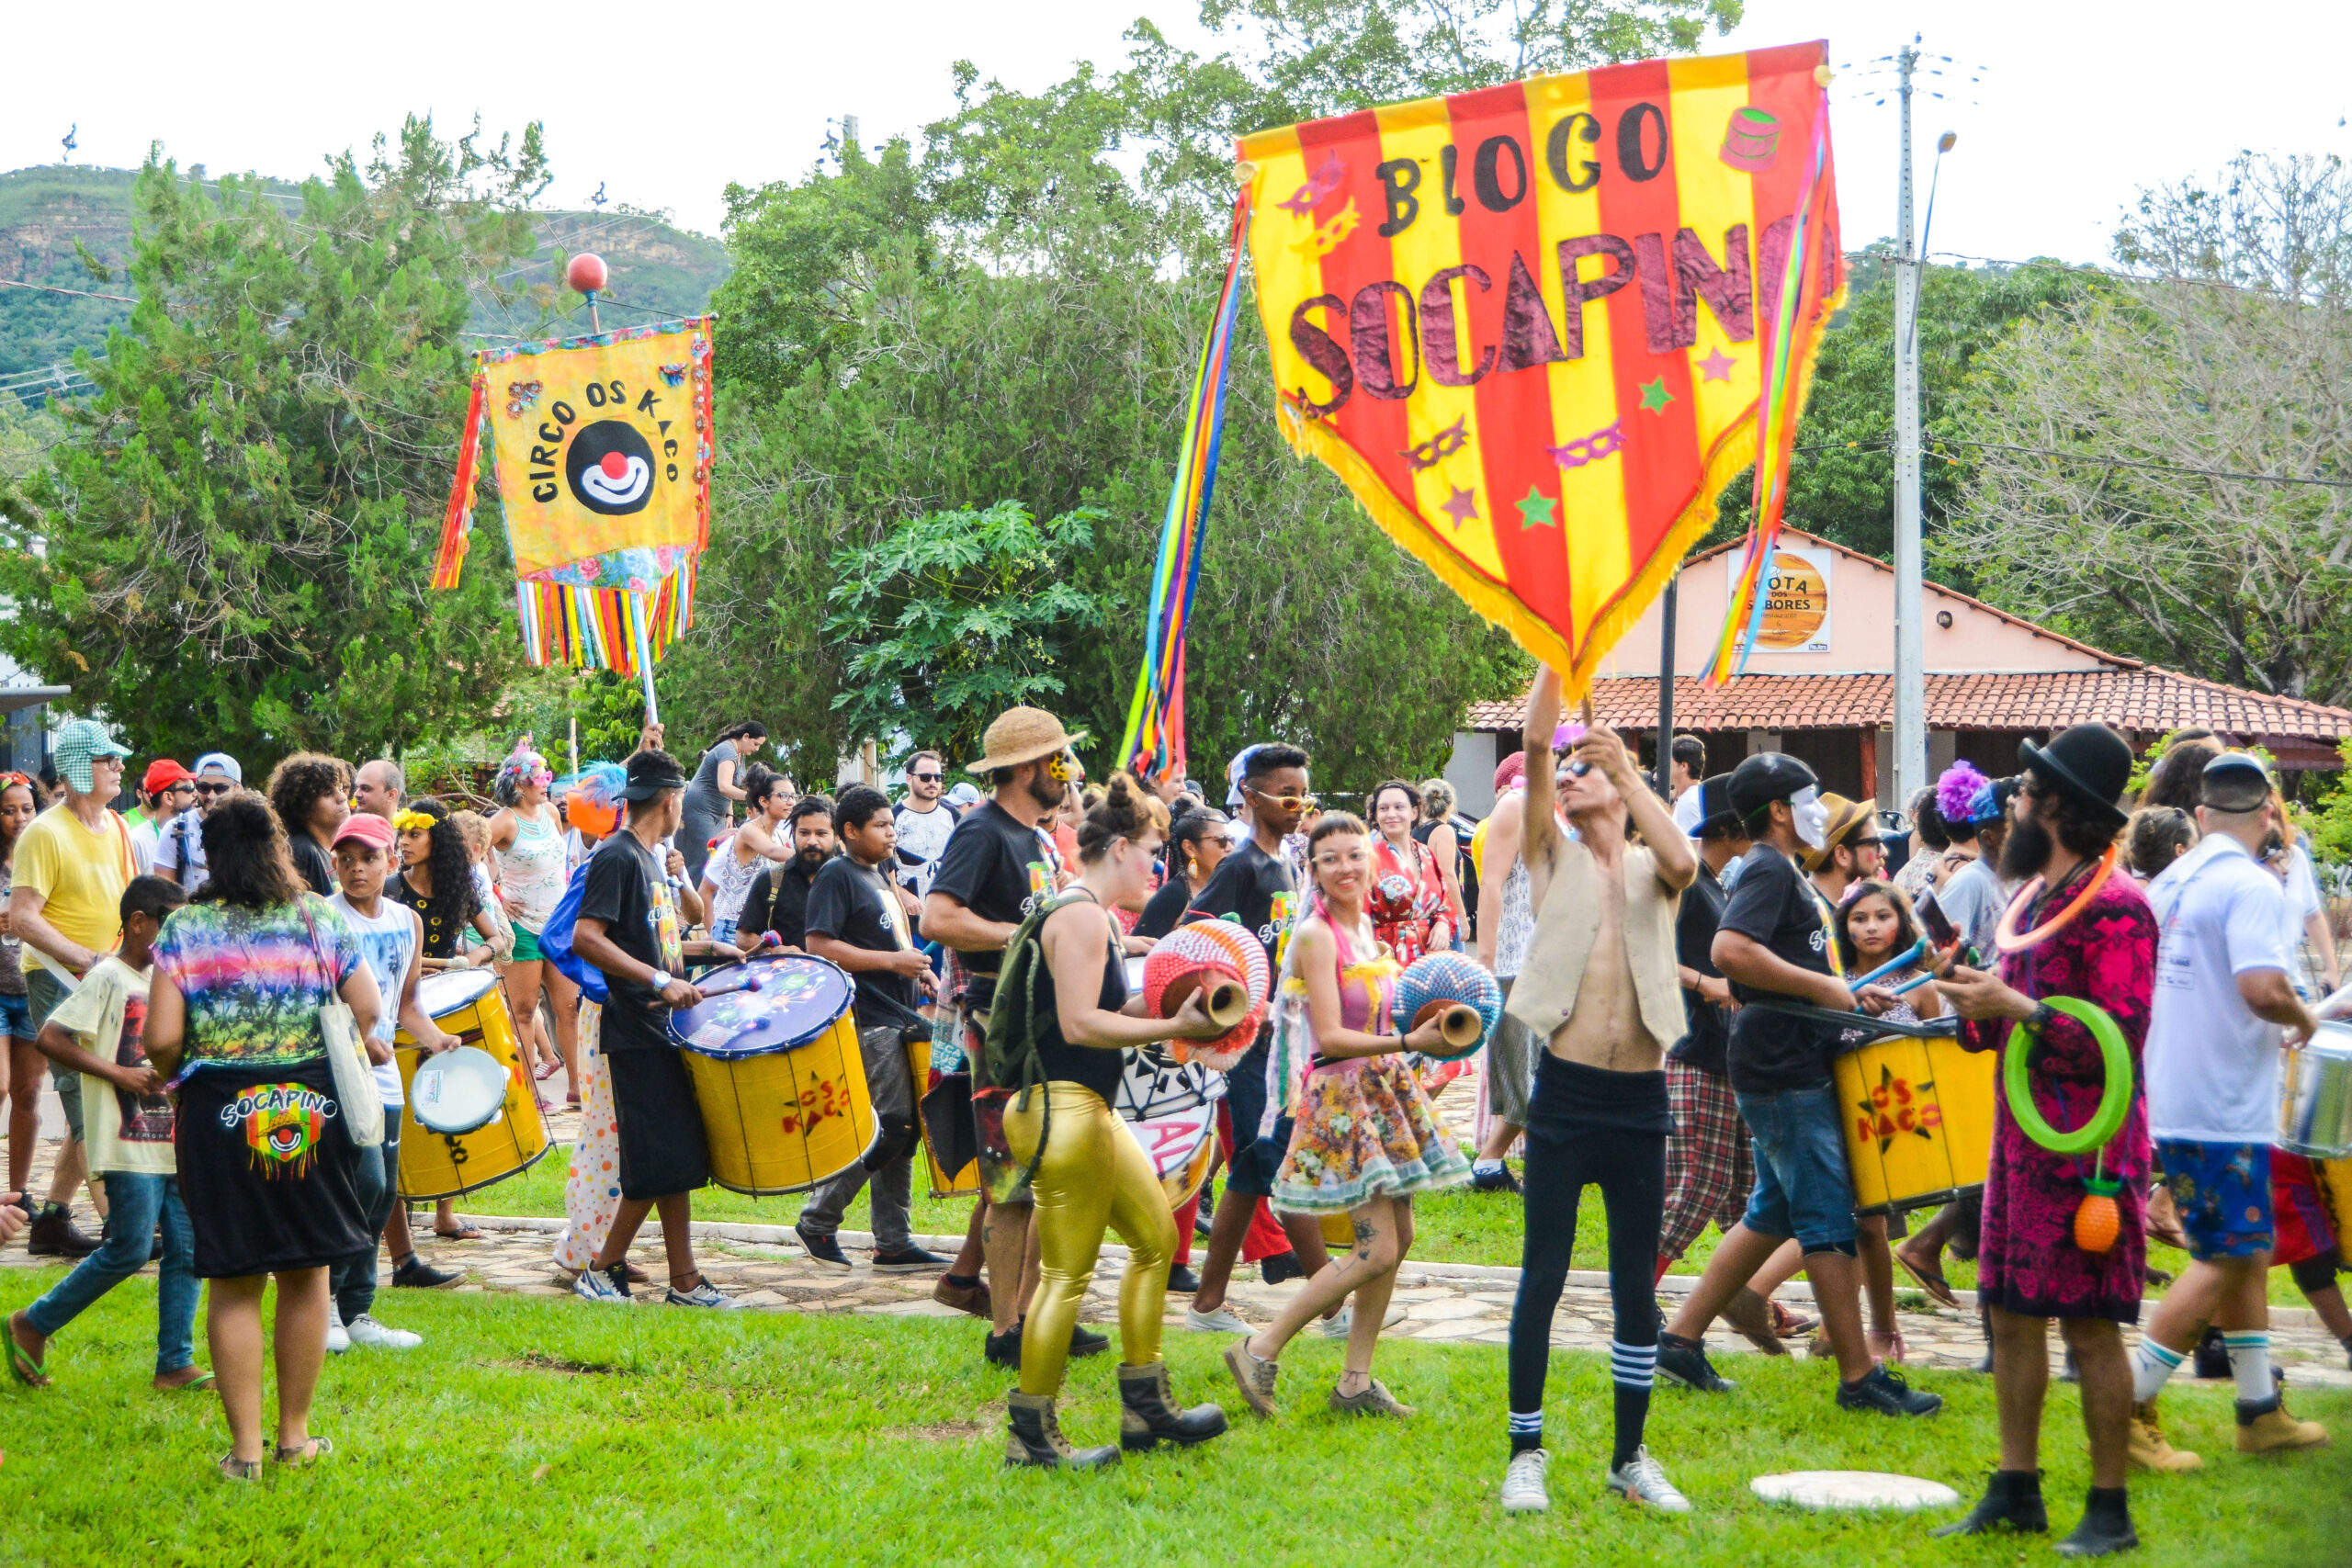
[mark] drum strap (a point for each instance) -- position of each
(1935, 1029)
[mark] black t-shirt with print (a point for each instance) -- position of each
(627, 889)
(1775, 904)
(1255, 889)
(995, 866)
(851, 903)
(1694, 936)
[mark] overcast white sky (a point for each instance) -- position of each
(2078, 105)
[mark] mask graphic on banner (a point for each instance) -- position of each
(1812, 817)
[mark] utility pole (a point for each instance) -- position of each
(1910, 648)
(1666, 688)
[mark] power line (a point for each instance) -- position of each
(2158, 468)
(1941, 440)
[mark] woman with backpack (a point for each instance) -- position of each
(1057, 1039)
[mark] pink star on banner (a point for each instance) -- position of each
(1462, 506)
(1717, 366)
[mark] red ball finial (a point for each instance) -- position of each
(587, 273)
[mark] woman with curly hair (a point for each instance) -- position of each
(436, 880)
(311, 792)
(526, 863)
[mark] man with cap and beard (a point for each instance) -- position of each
(1775, 943)
(2223, 995)
(996, 868)
(2079, 929)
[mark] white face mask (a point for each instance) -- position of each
(1812, 817)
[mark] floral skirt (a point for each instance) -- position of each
(1364, 1130)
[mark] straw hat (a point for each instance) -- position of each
(1845, 817)
(1022, 735)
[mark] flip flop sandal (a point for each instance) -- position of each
(309, 1453)
(464, 1233)
(1931, 1280)
(198, 1383)
(29, 1371)
(231, 1468)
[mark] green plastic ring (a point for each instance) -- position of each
(2115, 1099)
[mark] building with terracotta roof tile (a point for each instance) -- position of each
(1821, 683)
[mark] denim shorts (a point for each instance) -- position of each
(2222, 1192)
(1804, 1186)
(16, 1016)
(1255, 1159)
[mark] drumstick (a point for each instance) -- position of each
(749, 983)
(1909, 955)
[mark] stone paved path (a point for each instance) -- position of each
(1454, 1302)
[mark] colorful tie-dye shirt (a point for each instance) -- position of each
(254, 980)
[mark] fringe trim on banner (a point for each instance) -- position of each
(604, 628)
(457, 519)
(1153, 742)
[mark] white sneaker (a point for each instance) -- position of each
(364, 1330)
(1342, 1323)
(608, 1287)
(1524, 1490)
(1221, 1321)
(338, 1341)
(1643, 1480)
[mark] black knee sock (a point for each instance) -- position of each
(1633, 1415)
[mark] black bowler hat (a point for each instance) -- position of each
(1715, 802)
(2089, 762)
(652, 773)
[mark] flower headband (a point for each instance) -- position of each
(412, 822)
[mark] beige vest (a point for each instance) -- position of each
(1544, 996)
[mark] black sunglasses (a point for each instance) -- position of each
(926, 778)
(214, 788)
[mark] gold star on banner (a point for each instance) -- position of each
(1655, 397)
(1535, 510)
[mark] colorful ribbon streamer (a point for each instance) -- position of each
(1776, 421)
(1154, 743)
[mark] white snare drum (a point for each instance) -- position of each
(1172, 1108)
(2315, 1095)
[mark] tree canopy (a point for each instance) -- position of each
(229, 545)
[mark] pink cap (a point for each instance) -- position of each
(362, 828)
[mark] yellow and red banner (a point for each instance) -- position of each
(601, 451)
(1530, 326)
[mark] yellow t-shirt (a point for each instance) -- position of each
(78, 875)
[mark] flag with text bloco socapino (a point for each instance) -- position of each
(1536, 328)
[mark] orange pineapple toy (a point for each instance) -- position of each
(2097, 1221)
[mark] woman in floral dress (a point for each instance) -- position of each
(1365, 1138)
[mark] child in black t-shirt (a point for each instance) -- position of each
(857, 921)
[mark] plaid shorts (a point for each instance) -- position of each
(1710, 1166)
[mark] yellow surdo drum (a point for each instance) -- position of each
(965, 1183)
(1170, 1107)
(468, 1004)
(773, 1051)
(1918, 1121)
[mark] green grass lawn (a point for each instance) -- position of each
(545, 1431)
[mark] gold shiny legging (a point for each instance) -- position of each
(1093, 1174)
